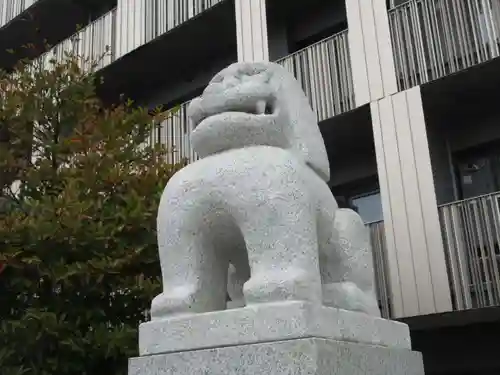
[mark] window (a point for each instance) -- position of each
(478, 170)
(368, 206)
(363, 196)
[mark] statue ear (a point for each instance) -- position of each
(305, 137)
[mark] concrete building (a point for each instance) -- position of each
(407, 96)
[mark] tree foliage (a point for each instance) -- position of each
(80, 186)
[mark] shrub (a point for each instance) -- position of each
(80, 186)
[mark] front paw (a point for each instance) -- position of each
(176, 301)
(285, 285)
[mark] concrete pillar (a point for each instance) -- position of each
(417, 267)
(251, 30)
(370, 49)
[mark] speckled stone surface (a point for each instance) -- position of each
(293, 357)
(269, 322)
(258, 199)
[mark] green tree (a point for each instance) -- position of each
(80, 186)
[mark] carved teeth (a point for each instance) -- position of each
(260, 107)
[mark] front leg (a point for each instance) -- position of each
(194, 272)
(281, 240)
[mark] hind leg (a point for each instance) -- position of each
(348, 279)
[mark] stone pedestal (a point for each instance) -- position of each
(285, 338)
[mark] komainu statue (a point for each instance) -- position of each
(254, 217)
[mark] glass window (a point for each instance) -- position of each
(368, 206)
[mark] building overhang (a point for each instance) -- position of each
(179, 51)
(45, 22)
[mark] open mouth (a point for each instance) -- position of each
(260, 107)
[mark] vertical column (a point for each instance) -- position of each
(417, 266)
(370, 48)
(251, 30)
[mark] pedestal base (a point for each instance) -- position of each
(311, 356)
(268, 323)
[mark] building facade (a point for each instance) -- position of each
(406, 93)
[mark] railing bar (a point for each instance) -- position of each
(409, 36)
(496, 23)
(421, 51)
(403, 51)
(478, 36)
(490, 256)
(460, 26)
(429, 39)
(338, 87)
(344, 75)
(330, 80)
(317, 80)
(337, 73)
(471, 254)
(312, 72)
(463, 255)
(437, 42)
(430, 42)
(496, 272)
(450, 50)
(492, 32)
(477, 250)
(482, 217)
(452, 245)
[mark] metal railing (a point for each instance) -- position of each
(377, 236)
(165, 15)
(140, 21)
(94, 44)
(324, 71)
(128, 26)
(435, 38)
(471, 232)
(10, 9)
(174, 133)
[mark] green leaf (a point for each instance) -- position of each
(82, 225)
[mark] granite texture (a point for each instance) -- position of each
(294, 357)
(269, 322)
(258, 200)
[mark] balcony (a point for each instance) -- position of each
(435, 38)
(95, 42)
(127, 40)
(471, 232)
(324, 71)
(141, 21)
(31, 22)
(126, 28)
(174, 132)
(10, 9)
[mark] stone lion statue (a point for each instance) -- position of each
(254, 217)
